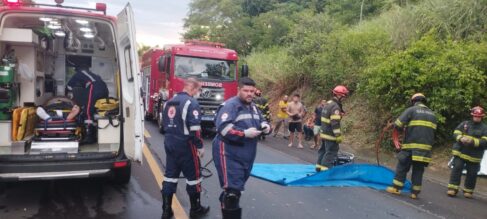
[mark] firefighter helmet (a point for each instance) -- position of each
(418, 97)
(340, 91)
(477, 111)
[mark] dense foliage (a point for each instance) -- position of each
(384, 50)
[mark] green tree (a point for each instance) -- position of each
(348, 11)
(451, 74)
(141, 49)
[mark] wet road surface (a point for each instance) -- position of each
(99, 198)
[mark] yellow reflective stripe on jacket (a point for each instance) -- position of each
(466, 157)
(476, 142)
(451, 186)
(328, 137)
(422, 123)
(397, 183)
(336, 131)
(484, 138)
(398, 123)
(457, 132)
(417, 146)
(421, 159)
(325, 120)
(331, 138)
(335, 117)
(458, 137)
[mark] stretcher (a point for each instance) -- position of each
(56, 135)
(57, 129)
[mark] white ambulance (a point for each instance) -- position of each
(37, 42)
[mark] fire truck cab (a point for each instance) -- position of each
(165, 70)
(39, 43)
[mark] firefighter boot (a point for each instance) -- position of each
(414, 196)
(320, 168)
(467, 195)
(451, 193)
(167, 212)
(197, 210)
(393, 190)
(235, 213)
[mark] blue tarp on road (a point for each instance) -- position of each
(355, 175)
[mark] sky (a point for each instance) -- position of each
(158, 22)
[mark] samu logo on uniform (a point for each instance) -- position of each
(171, 113)
(224, 117)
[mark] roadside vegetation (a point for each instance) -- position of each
(383, 50)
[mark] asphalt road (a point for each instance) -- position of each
(99, 198)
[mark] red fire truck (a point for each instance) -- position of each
(165, 69)
(152, 81)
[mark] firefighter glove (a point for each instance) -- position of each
(339, 139)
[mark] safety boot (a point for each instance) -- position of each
(413, 196)
(235, 213)
(167, 212)
(451, 193)
(467, 195)
(197, 210)
(393, 190)
(320, 168)
(90, 135)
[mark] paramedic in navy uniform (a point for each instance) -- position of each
(183, 146)
(96, 89)
(239, 123)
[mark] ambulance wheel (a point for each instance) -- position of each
(122, 176)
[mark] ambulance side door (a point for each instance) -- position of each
(131, 84)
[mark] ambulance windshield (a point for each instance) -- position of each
(205, 69)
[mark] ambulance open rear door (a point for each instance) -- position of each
(133, 126)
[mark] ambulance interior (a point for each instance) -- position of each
(39, 54)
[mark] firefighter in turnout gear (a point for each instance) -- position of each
(263, 105)
(471, 141)
(239, 123)
(183, 146)
(331, 134)
(419, 124)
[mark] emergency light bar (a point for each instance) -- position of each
(102, 7)
(12, 2)
(204, 43)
